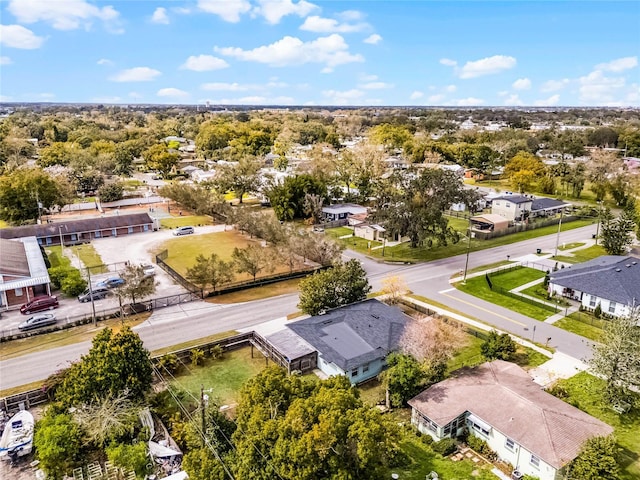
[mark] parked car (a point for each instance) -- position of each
(97, 293)
(38, 304)
(38, 321)
(110, 282)
(148, 269)
(183, 231)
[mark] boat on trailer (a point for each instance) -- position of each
(17, 437)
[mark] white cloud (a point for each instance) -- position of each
(228, 10)
(204, 63)
(368, 78)
(17, 36)
(344, 97)
(522, 84)
(160, 16)
(5, 60)
(350, 15)
(137, 74)
(513, 99)
(552, 100)
(596, 89)
(503, 93)
(416, 95)
(106, 100)
(468, 102)
(64, 15)
(172, 92)
(618, 65)
(373, 39)
(274, 10)
(331, 51)
(554, 85)
(105, 61)
(376, 85)
(487, 66)
(450, 88)
(436, 98)
(329, 25)
(135, 95)
(448, 62)
(225, 87)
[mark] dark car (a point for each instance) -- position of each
(38, 321)
(110, 282)
(38, 304)
(97, 293)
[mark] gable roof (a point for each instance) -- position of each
(547, 203)
(613, 277)
(13, 261)
(514, 199)
(503, 395)
(355, 334)
(344, 208)
(492, 218)
(76, 226)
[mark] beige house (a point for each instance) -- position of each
(489, 222)
(369, 231)
(514, 208)
(537, 433)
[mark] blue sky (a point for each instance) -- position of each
(300, 52)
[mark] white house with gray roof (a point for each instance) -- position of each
(537, 433)
(613, 281)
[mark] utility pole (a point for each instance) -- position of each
(599, 217)
(204, 435)
(466, 263)
(61, 240)
(93, 305)
(558, 235)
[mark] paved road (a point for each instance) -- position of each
(166, 328)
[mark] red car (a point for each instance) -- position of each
(37, 304)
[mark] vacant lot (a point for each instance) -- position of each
(582, 255)
(183, 221)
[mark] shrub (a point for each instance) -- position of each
(598, 311)
(216, 352)
(427, 439)
(445, 447)
(111, 192)
(558, 391)
(197, 356)
(73, 284)
(168, 363)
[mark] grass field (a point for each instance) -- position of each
(478, 287)
(404, 252)
(56, 258)
(192, 220)
(540, 291)
(257, 293)
(582, 255)
(89, 257)
(194, 343)
(3, 224)
(585, 391)
(183, 250)
(569, 246)
(224, 376)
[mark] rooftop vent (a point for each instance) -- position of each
(634, 263)
(375, 316)
(618, 270)
(628, 265)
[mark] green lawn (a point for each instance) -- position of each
(540, 291)
(338, 232)
(225, 377)
(405, 253)
(192, 220)
(56, 258)
(582, 255)
(89, 257)
(478, 287)
(585, 391)
(569, 246)
(489, 266)
(582, 324)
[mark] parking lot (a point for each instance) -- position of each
(115, 251)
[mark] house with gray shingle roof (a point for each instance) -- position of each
(353, 340)
(613, 281)
(535, 432)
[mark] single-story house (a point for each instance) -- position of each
(71, 232)
(357, 219)
(613, 281)
(23, 272)
(340, 211)
(489, 222)
(537, 433)
(369, 231)
(512, 207)
(546, 207)
(353, 340)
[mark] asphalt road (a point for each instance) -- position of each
(165, 328)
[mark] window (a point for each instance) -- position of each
(365, 368)
(18, 292)
(145, 228)
(478, 425)
(130, 230)
(39, 241)
(507, 204)
(612, 307)
(114, 232)
(510, 444)
(535, 461)
(98, 234)
(592, 301)
(354, 372)
(74, 237)
(49, 241)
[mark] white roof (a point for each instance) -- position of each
(344, 208)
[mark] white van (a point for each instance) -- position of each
(183, 231)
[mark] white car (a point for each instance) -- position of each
(38, 321)
(148, 269)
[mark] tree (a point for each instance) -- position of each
(201, 464)
(240, 178)
(116, 363)
(287, 198)
(136, 284)
(433, 340)
(620, 189)
(110, 419)
(111, 192)
(391, 136)
(157, 157)
(416, 204)
(498, 346)
(22, 189)
(403, 378)
(603, 137)
(210, 271)
(58, 442)
(394, 287)
(129, 457)
(596, 461)
(313, 206)
(342, 284)
(252, 260)
(523, 169)
(616, 357)
(617, 232)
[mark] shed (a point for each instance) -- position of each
(489, 222)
